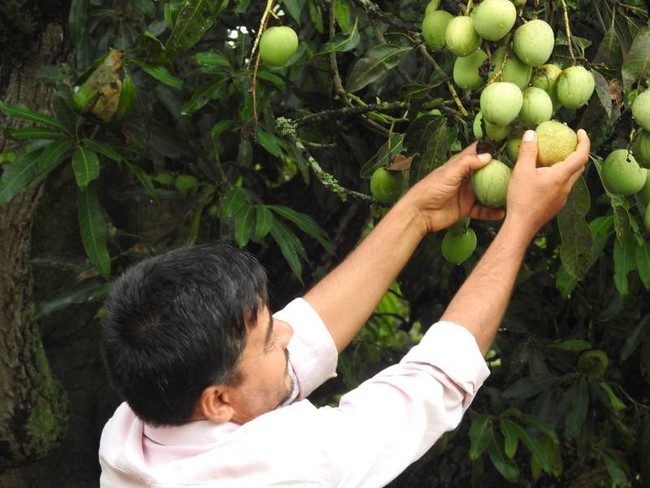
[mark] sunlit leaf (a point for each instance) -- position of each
(244, 225)
(263, 222)
(192, 22)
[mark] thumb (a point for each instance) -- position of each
(528, 150)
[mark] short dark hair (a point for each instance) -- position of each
(177, 323)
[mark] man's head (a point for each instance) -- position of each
(184, 325)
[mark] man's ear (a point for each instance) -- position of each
(214, 405)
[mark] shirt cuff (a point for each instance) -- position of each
(312, 352)
(453, 350)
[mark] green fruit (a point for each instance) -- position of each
(501, 102)
(537, 106)
(644, 192)
(533, 42)
(184, 183)
(555, 141)
(496, 132)
(641, 149)
(621, 174)
(513, 70)
(477, 127)
(641, 110)
(490, 183)
(593, 363)
(434, 27)
(457, 247)
(512, 148)
(493, 19)
(278, 44)
(574, 86)
(646, 220)
(431, 7)
(386, 185)
(461, 38)
(466, 70)
(545, 77)
(519, 3)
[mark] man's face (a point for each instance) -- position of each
(264, 367)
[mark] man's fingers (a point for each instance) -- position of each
(528, 151)
(574, 164)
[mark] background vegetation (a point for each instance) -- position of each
(183, 136)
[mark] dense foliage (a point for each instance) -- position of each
(168, 103)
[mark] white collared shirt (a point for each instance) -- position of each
(375, 432)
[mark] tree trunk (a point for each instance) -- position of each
(32, 404)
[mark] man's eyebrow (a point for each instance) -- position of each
(269, 331)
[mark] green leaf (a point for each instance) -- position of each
(643, 262)
(575, 250)
(192, 22)
(305, 223)
(342, 42)
(233, 201)
(244, 225)
(219, 127)
(529, 386)
(269, 141)
(578, 395)
(394, 145)
(102, 148)
(160, 73)
(294, 7)
(143, 177)
(608, 397)
(92, 226)
(531, 443)
(541, 425)
(23, 112)
(378, 62)
(506, 467)
(263, 222)
(204, 94)
(637, 62)
(18, 175)
(616, 467)
(87, 291)
(342, 14)
(634, 338)
(211, 58)
(78, 32)
(85, 165)
(480, 435)
(575, 345)
(427, 141)
(624, 262)
(34, 133)
(510, 436)
(290, 247)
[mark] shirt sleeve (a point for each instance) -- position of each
(312, 353)
(391, 420)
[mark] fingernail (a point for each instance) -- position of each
(529, 136)
(484, 157)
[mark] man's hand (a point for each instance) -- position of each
(445, 195)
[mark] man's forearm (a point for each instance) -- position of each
(347, 296)
(481, 302)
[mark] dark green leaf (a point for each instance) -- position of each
(77, 19)
(269, 141)
(263, 222)
(578, 395)
(192, 22)
(394, 145)
(480, 435)
(211, 58)
(23, 112)
(575, 345)
(634, 338)
(160, 73)
(294, 7)
(204, 94)
(607, 397)
(305, 223)
(244, 225)
(643, 262)
(85, 165)
(272, 78)
(510, 437)
(624, 262)
(92, 226)
(34, 133)
(427, 141)
(531, 443)
(83, 293)
(378, 62)
(290, 247)
(233, 201)
(219, 127)
(575, 250)
(143, 177)
(637, 61)
(342, 42)
(541, 425)
(343, 15)
(506, 467)
(529, 386)
(102, 148)
(18, 175)
(616, 467)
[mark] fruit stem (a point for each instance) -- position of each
(423, 50)
(265, 17)
(468, 9)
(565, 15)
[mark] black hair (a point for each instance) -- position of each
(177, 323)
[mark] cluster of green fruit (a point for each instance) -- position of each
(507, 59)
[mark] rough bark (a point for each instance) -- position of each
(32, 405)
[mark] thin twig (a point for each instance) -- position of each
(565, 14)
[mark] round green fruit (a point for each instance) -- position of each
(501, 102)
(555, 141)
(490, 183)
(493, 19)
(457, 247)
(621, 174)
(278, 44)
(644, 192)
(386, 185)
(496, 132)
(574, 86)
(593, 363)
(641, 149)
(184, 183)
(466, 70)
(641, 110)
(477, 127)
(513, 70)
(512, 148)
(461, 37)
(431, 7)
(434, 27)
(545, 77)
(537, 106)
(533, 42)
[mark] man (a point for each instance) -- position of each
(215, 385)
